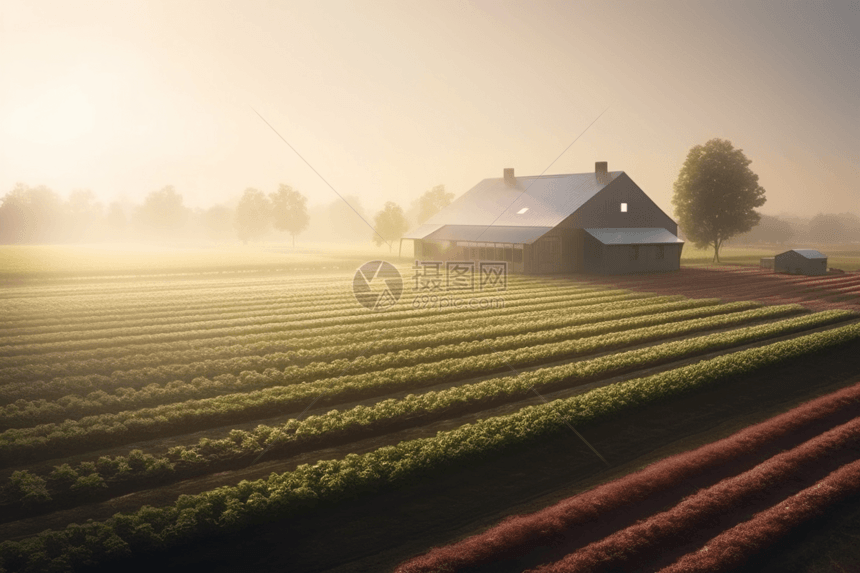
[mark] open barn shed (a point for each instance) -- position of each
(801, 262)
(599, 222)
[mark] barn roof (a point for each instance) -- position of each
(492, 234)
(634, 236)
(807, 253)
(534, 201)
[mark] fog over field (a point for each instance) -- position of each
(390, 99)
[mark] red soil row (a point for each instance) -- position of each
(659, 537)
(735, 547)
(526, 541)
(743, 283)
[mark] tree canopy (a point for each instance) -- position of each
(163, 212)
(30, 215)
(433, 201)
(716, 194)
(289, 211)
(253, 215)
(390, 223)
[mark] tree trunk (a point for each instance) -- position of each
(717, 245)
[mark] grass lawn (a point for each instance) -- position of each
(845, 257)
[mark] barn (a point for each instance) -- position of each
(800, 262)
(599, 222)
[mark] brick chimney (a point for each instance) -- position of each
(510, 180)
(601, 171)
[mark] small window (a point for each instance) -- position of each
(523, 210)
(624, 207)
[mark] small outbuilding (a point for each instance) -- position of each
(800, 262)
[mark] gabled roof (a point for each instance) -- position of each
(634, 236)
(806, 253)
(492, 234)
(533, 202)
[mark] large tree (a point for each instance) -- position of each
(289, 211)
(715, 195)
(253, 215)
(390, 223)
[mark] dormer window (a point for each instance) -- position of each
(624, 207)
(524, 209)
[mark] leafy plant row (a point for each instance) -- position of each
(210, 302)
(734, 547)
(127, 356)
(232, 508)
(343, 302)
(619, 501)
(142, 299)
(128, 426)
(336, 427)
(650, 539)
(329, 356)
(137, 296)
(82, 341)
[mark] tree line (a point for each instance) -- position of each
(33, 215)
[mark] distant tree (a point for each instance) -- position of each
(347, 220)
(217, 222)
(390, 223)
(769, 230)
(30, 215)
(827, 228)
(253, 215)
(116, 223)
(715, 194)
(163, 212)
(433, 201)
(83, 214)
(289, 211)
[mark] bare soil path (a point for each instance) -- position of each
(733, 283)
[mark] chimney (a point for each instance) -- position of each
(510, 180)
(601, 171)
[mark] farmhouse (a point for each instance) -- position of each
(599, 222)
(800, 262)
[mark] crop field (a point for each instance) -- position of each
(265, 420)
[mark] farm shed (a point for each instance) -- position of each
(800, 262)
(599, 222)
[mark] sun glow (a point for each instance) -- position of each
(63, 114)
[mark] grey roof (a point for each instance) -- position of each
(634, 236)
(422, 231)
(492, 234)
(807, 253)
(549, 200)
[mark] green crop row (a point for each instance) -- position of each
(119, 357)
(318, 358)
(123, 427)
(342, 304)
(217, 304)
(334, 427)
(232, 508)
(18, 346)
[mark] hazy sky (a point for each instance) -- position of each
(387, 99)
